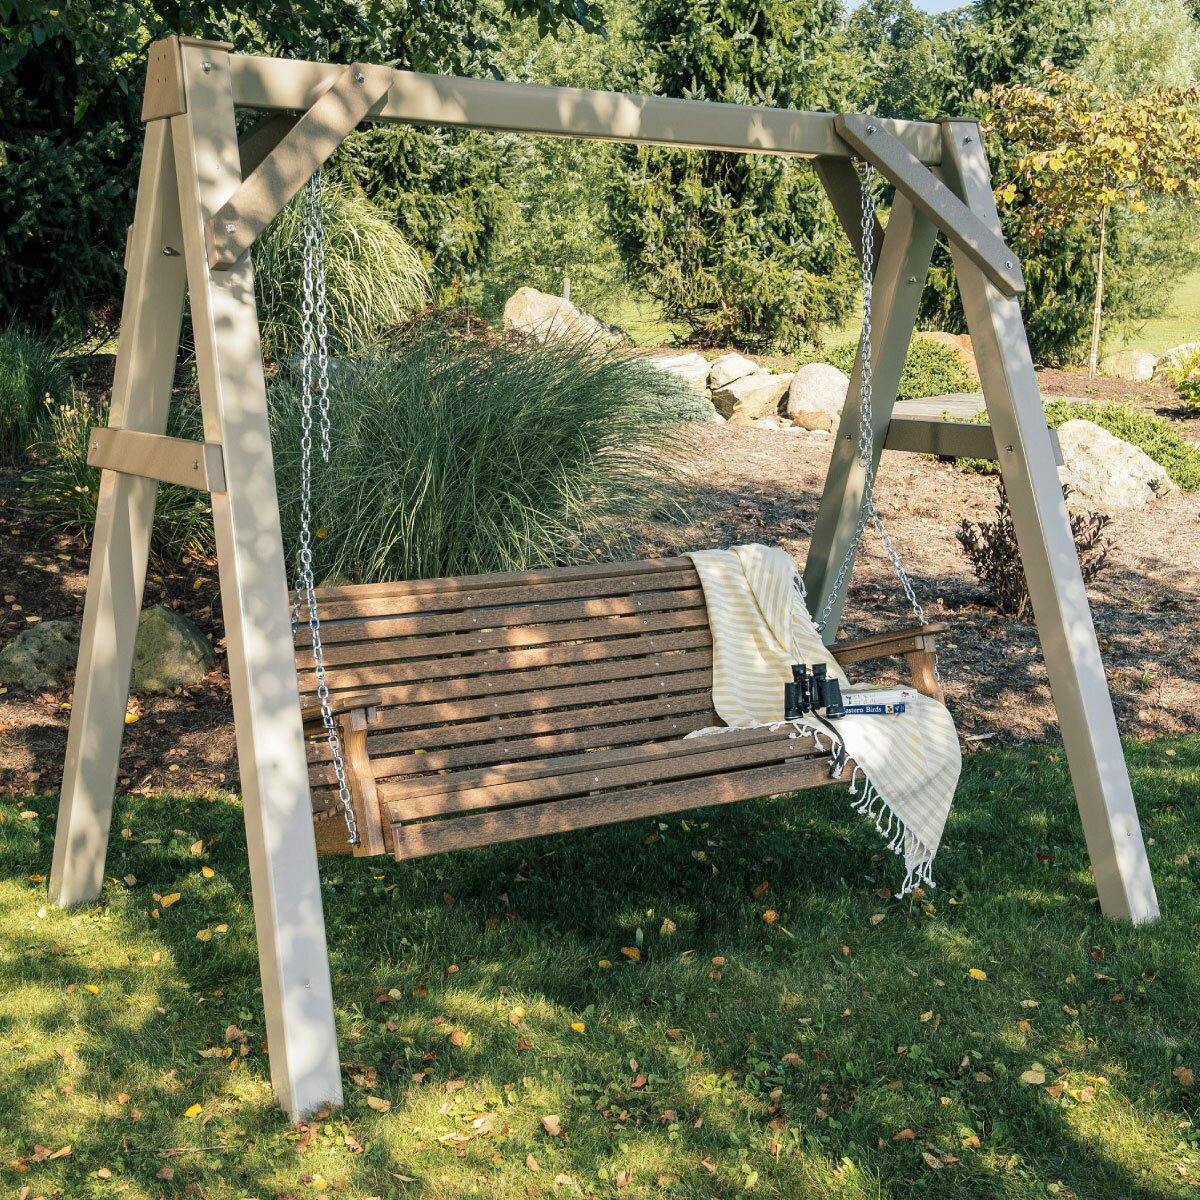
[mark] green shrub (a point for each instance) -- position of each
(454, 457)
(32, 381)
(1150, 433)
(930, 369)
(64, 486)
(1185, 378)
(374, 278)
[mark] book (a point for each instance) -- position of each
(876, 701)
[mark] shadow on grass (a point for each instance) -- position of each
(784, 1057)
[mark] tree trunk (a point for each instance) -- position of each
(1094, 357)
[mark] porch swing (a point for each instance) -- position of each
(475, 710)
(450, 713)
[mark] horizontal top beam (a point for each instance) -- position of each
(277, 84)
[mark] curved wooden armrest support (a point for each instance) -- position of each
(916, 643)
(363, 705)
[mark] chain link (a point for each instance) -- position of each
(868, 513)
(314, 392)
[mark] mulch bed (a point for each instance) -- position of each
(745, 485)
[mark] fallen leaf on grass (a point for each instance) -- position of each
(207, 872)
(379, 1104)
(1035, 1075)
(531, 1163)
(1185, 1076)
(578, 1027)
(171, 898)
(552, 1124)
(770, 917)
(904, 1135)
(631, 952)
(976, 973)
(193, 1110)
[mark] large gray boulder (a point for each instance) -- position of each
(752, 396)
(691, 368)
(550, 318)
(1135, 365)
(729, 367)
(1106, 472)
(170, 652)
(816, 396)
(40, 658)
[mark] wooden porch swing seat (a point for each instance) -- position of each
(497, 707)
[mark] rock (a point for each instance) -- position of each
(1171, 359)
(960, 343)
(777, 424)
(816, 396)
(691, 368)
(40, 658)
(549, 318)
(170, 652)
(1134, 365)
(751, 396)
(730, 367)
(1106, 472)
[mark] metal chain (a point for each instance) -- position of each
(866, 457)
(314, 392)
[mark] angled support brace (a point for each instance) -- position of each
(965, 231)
(291, 163)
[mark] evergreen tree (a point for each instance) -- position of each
(742, 249)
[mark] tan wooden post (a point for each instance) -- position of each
(899, 281)
(288, 915)
(150, 321)
(1060, 604)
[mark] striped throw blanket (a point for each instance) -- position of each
(907, 764)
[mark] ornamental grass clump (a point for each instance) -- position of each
(457, 457)
(32, 381)
(374, 278)
(62, 484)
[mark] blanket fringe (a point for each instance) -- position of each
(890, 826)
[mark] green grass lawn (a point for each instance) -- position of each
(1179, 324)
(996, 1039)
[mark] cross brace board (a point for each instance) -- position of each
(195, 173)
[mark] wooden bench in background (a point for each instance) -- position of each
(497, 707)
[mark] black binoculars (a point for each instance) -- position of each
(810, 691)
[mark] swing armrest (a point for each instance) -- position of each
(916, 643)
(361, 707)
(885, 645)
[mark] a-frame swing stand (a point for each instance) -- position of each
(203, 198)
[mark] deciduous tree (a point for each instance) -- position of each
(1081, 150)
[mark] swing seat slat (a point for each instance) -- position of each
(490, 708)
